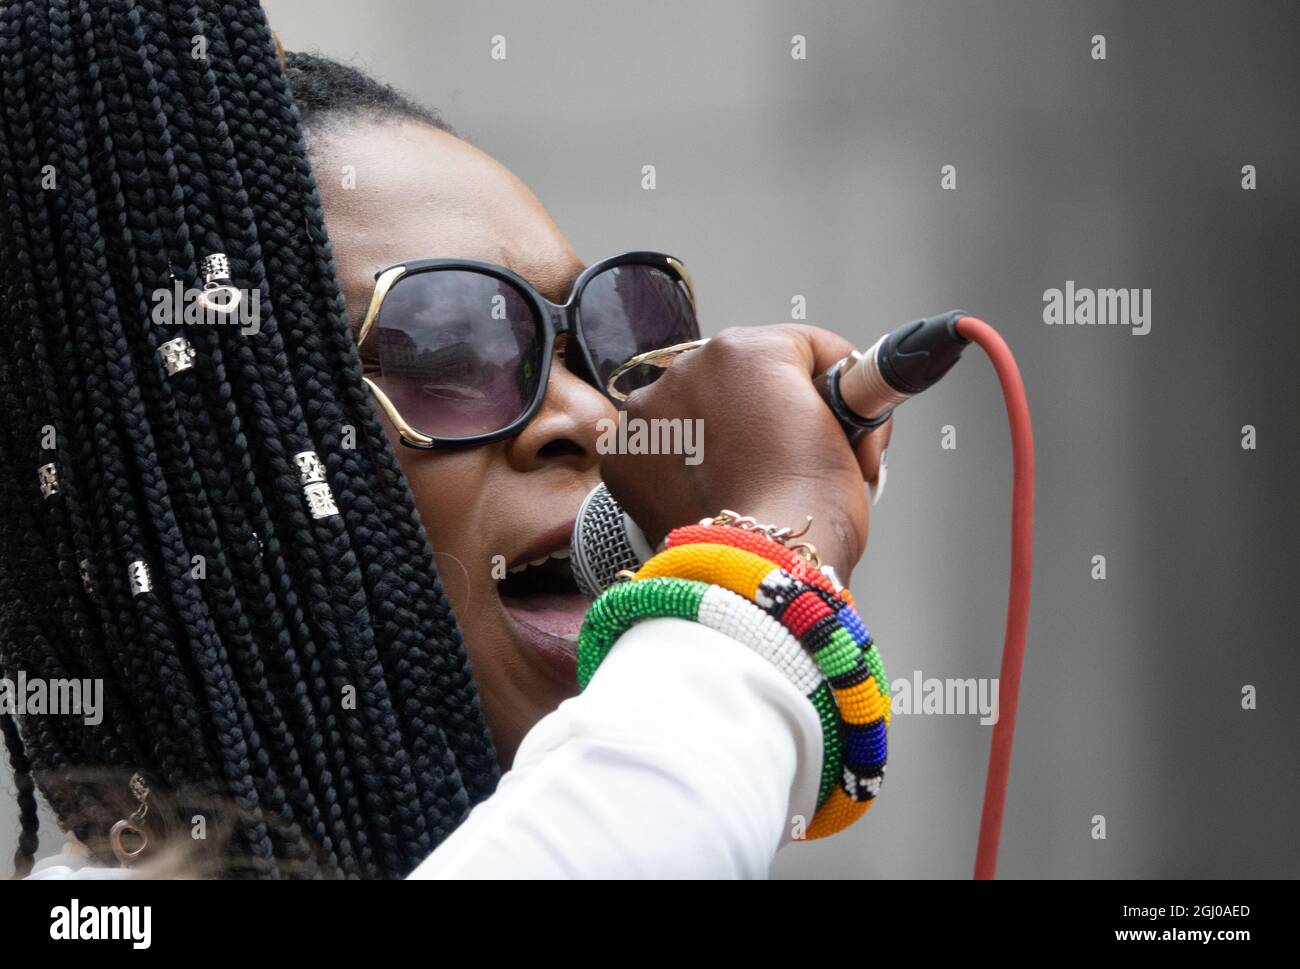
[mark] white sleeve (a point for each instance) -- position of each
(687, 756)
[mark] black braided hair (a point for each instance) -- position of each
(297, 682)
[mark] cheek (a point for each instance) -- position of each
(448, 488)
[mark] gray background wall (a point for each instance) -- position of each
(821, 177)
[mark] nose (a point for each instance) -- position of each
(565, 431)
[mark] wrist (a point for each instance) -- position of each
(835, 541)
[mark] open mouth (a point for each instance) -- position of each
(541, 595)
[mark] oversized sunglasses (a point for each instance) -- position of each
(458, 352)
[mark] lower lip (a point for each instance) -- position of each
(559, 654)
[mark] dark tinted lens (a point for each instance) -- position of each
(458, 352)
(630, 309)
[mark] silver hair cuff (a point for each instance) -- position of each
(177, 355)
(214, 266)
(219, 294)
(320, 500)
(48, 476)
(141, 580)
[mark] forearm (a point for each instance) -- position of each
(687, 756)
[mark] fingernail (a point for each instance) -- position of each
(878, 489)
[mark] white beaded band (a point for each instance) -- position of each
(735, 616)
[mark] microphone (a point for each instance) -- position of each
(605, 541)
(864, 388)
(862, 391)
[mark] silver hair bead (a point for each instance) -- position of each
(219, 294)
(320, 500)
(84, 568)
(48, 476)
(177, 355)
(214, 266)
(141, 580)
(310, 468)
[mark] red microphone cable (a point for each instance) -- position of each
(1022, 556)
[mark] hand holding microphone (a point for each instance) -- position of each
(772, 369)
(772, 448)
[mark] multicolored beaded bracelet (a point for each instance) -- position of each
(795, 594)
(829, 628)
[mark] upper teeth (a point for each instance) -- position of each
(562, 553)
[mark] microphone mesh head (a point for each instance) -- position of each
(601, 548)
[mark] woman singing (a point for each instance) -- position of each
(314, 546)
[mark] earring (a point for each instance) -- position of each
(130, 828)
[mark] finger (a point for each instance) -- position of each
(870, 450)
(822, 349)
(818, 348)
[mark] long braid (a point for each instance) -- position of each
(196, 686)
(326, 748)
(42, 654)
(39, 283)
(256, 150)
(309, 687)
(198, 518)
(327, 558)
(441, 676)
(28, 839)
(323, 89)
(410, 666)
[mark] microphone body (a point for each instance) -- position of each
(862, 390)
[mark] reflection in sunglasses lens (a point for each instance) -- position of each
(632, 309)
(458, 352)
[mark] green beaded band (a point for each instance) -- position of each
(621, 605)
(626, 603)
(823, 700)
